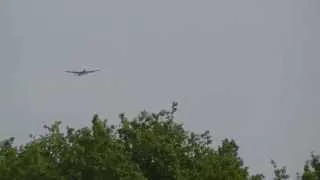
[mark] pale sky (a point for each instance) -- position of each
(246, 69)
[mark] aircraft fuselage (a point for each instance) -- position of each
(82, 72)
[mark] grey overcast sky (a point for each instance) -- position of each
(246, 69)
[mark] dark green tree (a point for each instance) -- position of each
(87, 153)
(312, 168)
(151, 146)
(164, 150)
(279, 173)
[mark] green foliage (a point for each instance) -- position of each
(279, 173)
(312, 168)
(87, 153)
(151, 146)
(257, 177)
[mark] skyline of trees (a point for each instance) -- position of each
(150, 146)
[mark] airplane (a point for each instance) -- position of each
(82, 72)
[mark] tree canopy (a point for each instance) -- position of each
(151, 146)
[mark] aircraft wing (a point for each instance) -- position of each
(91, 71)
(71, 71)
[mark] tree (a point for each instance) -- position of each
(312, 168)
(279, 173)
(150, 146)
(164, 150)
(87, 153)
